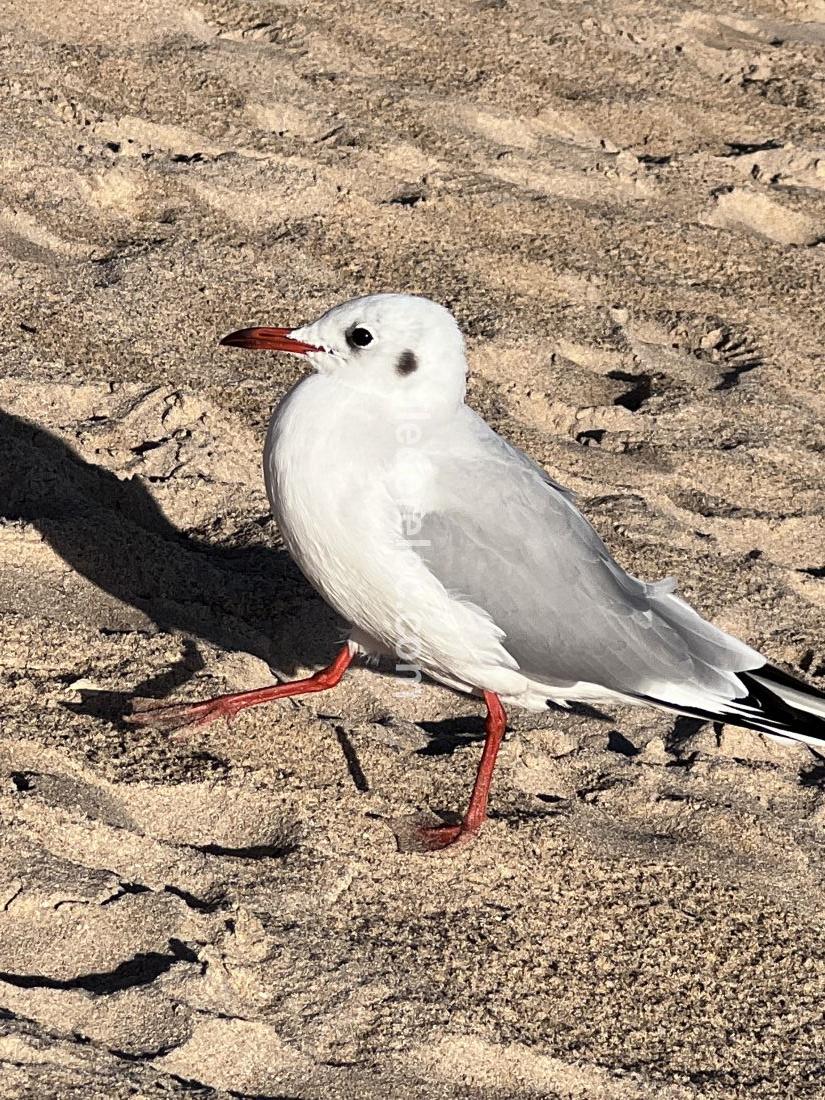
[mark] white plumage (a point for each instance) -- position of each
(447, 548)
(503, 584)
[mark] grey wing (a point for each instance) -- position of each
(503, 535)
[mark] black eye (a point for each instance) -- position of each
(359, 337)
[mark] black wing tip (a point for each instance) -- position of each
(775, 711)
(762, 709)
(784, 679)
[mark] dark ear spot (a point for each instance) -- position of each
(407, 363)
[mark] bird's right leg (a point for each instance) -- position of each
(451, 838)
(178, 715)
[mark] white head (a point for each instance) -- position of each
(396, 347)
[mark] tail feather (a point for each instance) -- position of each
(776, 704)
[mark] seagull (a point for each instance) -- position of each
(452, 553)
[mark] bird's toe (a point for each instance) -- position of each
(412, 835)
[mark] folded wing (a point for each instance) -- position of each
(501, 534)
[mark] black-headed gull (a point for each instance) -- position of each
(452, 552)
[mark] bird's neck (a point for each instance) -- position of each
(325, 408)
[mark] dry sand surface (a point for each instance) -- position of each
(624, 205)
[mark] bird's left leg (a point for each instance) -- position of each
(436, 838)
(178, 715)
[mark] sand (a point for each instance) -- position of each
(625, 206)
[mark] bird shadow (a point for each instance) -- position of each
(112, 532)
(814, 776)
(447, 735)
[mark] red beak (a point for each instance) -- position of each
(267, 339)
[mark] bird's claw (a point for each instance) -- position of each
(413, 836)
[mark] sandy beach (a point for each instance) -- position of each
(624, 206)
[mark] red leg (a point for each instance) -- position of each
(436, 838)
(176, 715)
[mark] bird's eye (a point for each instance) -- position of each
(360, 337)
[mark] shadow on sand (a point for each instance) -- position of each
(111, 531)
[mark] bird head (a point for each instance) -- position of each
(397, 348)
